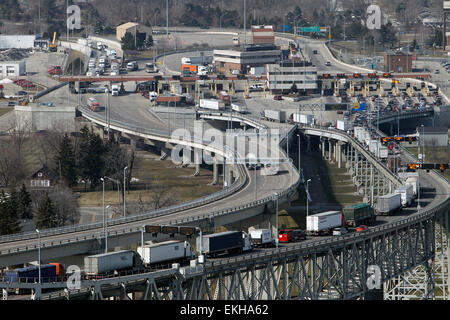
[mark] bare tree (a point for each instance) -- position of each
(8, 164)
(162, 196)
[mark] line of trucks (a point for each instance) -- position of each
(159, 255)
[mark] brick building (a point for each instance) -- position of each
(263, 35)
(398, 62)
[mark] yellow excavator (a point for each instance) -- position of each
(52, 45)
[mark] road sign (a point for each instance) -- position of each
(356, 105)
(323, 29)
(310, 29)
(286, 27)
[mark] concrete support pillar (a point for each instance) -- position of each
(165, 153)
(329, 150)
(228, 175)
(215, 172)
(323, 148)
(197, 160)
(308, 143)
(339, 151)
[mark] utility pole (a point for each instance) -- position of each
(167, 18)
(245, 25)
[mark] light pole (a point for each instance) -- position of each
(307, 197)
(39, 253)
(142, 236)
(418, 178)
(275, 198)
(299, 154)
(106, 228)
(124, 193)
(103, 206)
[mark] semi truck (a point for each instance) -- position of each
(275, 115)
(102, 264)
(93, 104)
(115, 90)
(357, 214)
(383, 152)
(132, 66)
(225, 97)
(407, 193)
(261, 237)
(49, 273)
(389, 204)
(224, 242)
(323, 223)
(165, 252)
(238, 108)
(343, 125)
(307, 119)
(212, 104)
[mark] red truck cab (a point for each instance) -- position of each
(55, 70)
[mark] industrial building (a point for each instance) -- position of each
(226, 61)
(433, 137)
(17, 41)
(12, 68)
(283, 75)
(398, 62)
(131, 27)
(263, 35)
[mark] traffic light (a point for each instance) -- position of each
(399, 138)
(442, 166)
(413, 166)
(386, 75)
(386, 139)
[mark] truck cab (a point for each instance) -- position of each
(247, 241)
(115, 90)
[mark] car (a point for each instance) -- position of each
(328, 63)
(21, 93)
(339, 231)
(89, 73)
(11, 103)
(290, 235)
(277, 98)
(436, 71)
(361, 228)
(46, 104)
(114, 73)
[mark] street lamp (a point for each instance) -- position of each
(418, 177)
(124, 192)
(275, 198)
(142, 236)
(39, 253)
(307, 197)
(106, 228)
(103, 206)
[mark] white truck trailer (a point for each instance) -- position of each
(307, 119)
(212, 104)
(389, 204)
(165, 252)
(108, 262)
(407, 193)
(275, 115)
(343, 125)
(323, 223)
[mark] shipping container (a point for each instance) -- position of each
(323, 223)
(358, 214)
(31, 274)
(189, 67)
(224, 242)
(168, 251)
(389, 204)
(307, 119)
(383, 152)
(169, 99)
(108, 262)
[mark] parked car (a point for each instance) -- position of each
(339, 231)
(277, 98)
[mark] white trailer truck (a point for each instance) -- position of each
(275, 115)
(108, 262)
(165, 252)
(323, 223)
(212, 104)
(389, 204)
(407, 193)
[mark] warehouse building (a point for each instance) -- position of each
(17, 41)
(433, 137)
(242, 60)
(12, 68)
(283, 75)
(131, 27)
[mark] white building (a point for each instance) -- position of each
(12, 68)
(283, 75)
(17, 41)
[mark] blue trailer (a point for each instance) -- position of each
(31, 274)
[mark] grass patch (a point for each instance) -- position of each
(4, 111)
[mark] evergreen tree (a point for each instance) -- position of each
(9, 219)
(46, 216)
(91, 157)
(65, 161)
(128, 42)
(24, 203)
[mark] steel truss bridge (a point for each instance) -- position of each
(411, 254)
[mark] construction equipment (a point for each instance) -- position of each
(52, 45)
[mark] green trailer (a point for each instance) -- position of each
(359, 214)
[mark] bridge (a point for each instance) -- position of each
(331, 268)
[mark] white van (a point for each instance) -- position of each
(99, 45)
